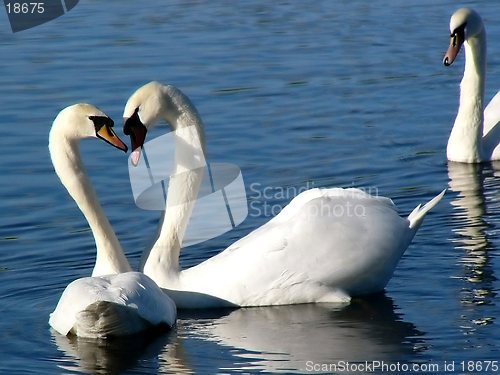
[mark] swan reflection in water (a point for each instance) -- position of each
(285, 338)
(476, 199)
(99, 356)
(279, 338)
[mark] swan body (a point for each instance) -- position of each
(316, 250)
(325, 246)
(475, 136)
(112, 305)
(115, 301)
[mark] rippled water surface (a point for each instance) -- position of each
(300, 94)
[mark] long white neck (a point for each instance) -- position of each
(464, 144)
(65, 154)
(162, 261)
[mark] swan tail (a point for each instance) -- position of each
(417, 215)
(103, 319)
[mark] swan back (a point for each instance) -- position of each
(112, 305)
(324, 242)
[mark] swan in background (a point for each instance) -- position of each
(475, 136)
(325, 246)
(115, 301)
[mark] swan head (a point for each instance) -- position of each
(145, 107)
(465, 24)
(153, 102)
(83, 120)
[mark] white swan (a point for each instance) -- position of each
(475, 136)
(115, 301)
(326, 245)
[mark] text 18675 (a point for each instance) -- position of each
(25, 8)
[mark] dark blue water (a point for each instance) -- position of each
(323, 93)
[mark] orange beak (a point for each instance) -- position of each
(107, 134)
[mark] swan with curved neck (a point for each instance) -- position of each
(315, 250)
(475, 136)
(64, 147)
(115, 301)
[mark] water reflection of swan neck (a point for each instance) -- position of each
(471, 231)
(111, 356)
(467, 181)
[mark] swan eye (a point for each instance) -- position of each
(458, 35)
(100, 121)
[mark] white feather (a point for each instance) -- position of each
(123, 302)
(475, 136)
(113, 305)
(325, 246)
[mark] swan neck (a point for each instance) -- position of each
(65, 154)
(464, 143)
(180, 113)
(183, 188)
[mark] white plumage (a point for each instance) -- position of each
(475, 136)
(112, 305)
(325, 246)
(115, 301)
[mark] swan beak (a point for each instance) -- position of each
(137, 131)
(107, 134)
(456, 41)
